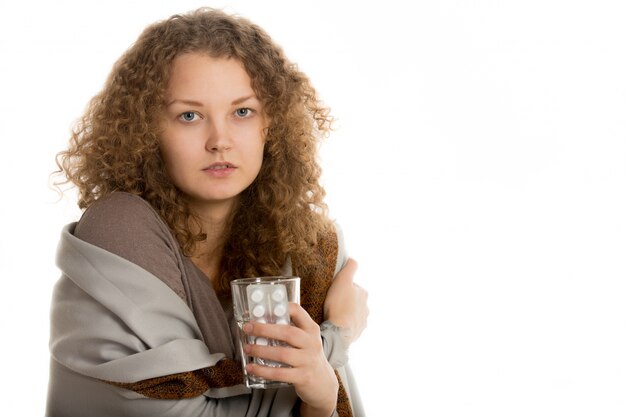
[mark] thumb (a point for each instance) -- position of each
(346, 274)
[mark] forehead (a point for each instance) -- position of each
(196, 73)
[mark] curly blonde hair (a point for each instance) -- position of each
(115, 146)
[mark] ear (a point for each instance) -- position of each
(265, 131)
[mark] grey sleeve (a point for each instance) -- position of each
(72, 394)
(333, 344)
(342, 253)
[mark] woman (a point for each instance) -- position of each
(196, 165)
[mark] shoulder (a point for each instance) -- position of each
(119, 218)
(117, 208)
(128, 226)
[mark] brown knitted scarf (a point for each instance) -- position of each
(314, 284)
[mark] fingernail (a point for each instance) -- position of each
(246, 348)
(247, 327)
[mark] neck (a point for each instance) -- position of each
(214, 219)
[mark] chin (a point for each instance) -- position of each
(217, 198)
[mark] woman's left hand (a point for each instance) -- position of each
(310, 373)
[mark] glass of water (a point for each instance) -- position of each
(262, 300)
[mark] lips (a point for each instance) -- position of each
(220, 169)
(219, 166)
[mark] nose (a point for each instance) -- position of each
(218, 139)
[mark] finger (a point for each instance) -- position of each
(273, 374)
(289, 334)
(282, 354)
(351, 264)
(347, 272)
(302, 320)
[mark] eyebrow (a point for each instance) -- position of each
(198, 104)
(242, 99)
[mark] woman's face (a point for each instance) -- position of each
(213, 140)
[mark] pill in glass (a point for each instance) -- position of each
(256, 296)
(258, 311)
(280, 310)
(278, 295)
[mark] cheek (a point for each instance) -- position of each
(165, 154)
(170, 144)
(259, 155)
(171, 159)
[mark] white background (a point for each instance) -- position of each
(478, 170)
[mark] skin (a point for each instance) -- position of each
(310, 372)
(346, 303)
(214, 118)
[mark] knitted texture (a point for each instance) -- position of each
(225, 373)
(316, 279)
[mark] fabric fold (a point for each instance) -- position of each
(114, 321)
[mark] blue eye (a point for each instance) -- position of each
(243, 112)
(188, 116)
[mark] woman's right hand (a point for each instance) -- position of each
(313, 378)
(346, 303)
